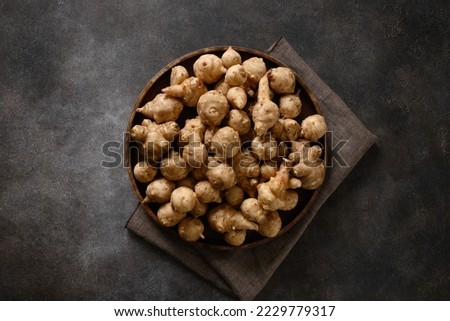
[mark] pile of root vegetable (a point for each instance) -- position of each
(237, 164)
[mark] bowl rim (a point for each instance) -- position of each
(138, 103)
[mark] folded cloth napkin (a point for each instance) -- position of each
(243, 273)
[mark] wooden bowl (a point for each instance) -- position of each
(161, 80)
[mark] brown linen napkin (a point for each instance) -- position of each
(244, 273)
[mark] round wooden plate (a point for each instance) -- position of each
(162, 80)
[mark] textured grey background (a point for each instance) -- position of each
(71, 71)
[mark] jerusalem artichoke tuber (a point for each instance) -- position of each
(162, 108)
(235, 238)
(222, 87)
(178, 74)
(268, 169)
(274, 194)
(236, 75)
(294, 183)
(195, 153)
(167, 216)
(234, 196)
(168, 129)
(225, 143)
(191, 229)
(237, 97)
(313, 127)
(212, 107)
(281, 80)
(206, 193)
(174, 167)
(231, 57)
(155, 137)
(286, 130)
(183, 199)
(189, 91)
(188, 182)
(255, 68)
(239, 121)
(193, 125)
(221, 176)
(265, 147)
(290, 105)
(312, 174)
(265, 115)
(271, 226)
(209, 68)
(144, 172)
(159, 191)
(264, 92)
(253, 211)
(225, 218)
(245, 164)
(199, 209)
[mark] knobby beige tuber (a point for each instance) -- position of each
(275, 195)
(159, 191)
(183, 199)
(281, 80)
(206, 193)
(193, 125)
(225, 218)
(271, 226)
(162, 108)
(209, 68)
(245, 164)
(144, 172)
(255, 68)
(237, 97)
(156, 138)
(247, 169)
(212, 107)
(234, 195)
(174, 167)
(239, 121)
(253, 211)
(189, 91)
(310, 168)
(195, 152)
(231, 57)
(236, 237)
(268, 169)
(222, 87)
(178, 74)
(199, 209)
(286, 130)
(225, 143)
(265, 147)
(191, 229)
(236, 75)
(221, 176)
(290, 105)
(313, 127)
(264, 92)
(167, 216)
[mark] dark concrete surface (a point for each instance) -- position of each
(71, 71)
